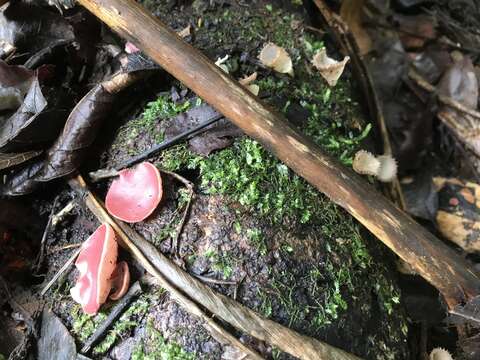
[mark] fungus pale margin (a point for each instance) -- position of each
(277, 58)
(96, 263)
(135, 194)
(440, 354)
(329, 68)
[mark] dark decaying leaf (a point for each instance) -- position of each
(23, 181)
(30, 125)
(468, 313)
(421, 197)
(11, 159)
(69, 150)
(79, 132)
(219, 136)
(31, 28)
(14, 84)
(415, 30)
(460, 83)
(55, 342)
(470, 347)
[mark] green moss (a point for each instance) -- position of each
(257, 240)
(221, 262)
(154, 347)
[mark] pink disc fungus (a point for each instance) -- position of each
(135, 194)
(99, 271)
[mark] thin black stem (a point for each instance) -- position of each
(168, 143)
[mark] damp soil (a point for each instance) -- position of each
(312, 269)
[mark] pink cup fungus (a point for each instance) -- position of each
(135, 194)
(99, 272)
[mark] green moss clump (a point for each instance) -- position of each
(155, 347)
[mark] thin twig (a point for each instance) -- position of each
(60, 272)
(49, 225)
(58, 217)
(214, 281)
(115, 313)
(175, 240)
(65, 247)
(189, 186)
(197, 130)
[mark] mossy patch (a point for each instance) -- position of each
(155, 347)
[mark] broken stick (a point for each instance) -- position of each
(453, 276)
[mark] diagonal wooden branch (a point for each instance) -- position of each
(453, 276)
(188, 291)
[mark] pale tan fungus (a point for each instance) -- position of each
(329, 68)
(440, 354)
(277, 58)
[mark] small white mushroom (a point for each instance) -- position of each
(383, 167)
(365, 163)
(388, 168)
(277, 58)
(440, 354)
(329, 68)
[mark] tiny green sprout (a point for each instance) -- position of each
(269, 7)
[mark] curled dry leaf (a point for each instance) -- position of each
(32, 125)
(96, 264)
(69, 150)
(135, 194)
(15, 82)
(329, 68)
(276, 58)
